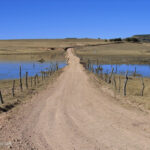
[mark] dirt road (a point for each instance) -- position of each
(74, 114)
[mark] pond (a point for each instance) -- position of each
(140, 70)
(10, 69)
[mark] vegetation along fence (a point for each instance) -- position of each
(11, 88)
(120, 82)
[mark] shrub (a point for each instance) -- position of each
(116, 40)
(132, 40)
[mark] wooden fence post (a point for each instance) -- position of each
(20, 80)
(143, 86)
(125, 83)
(116, 69)
(1, 98)
(92, 69)
(109, 78)
(50, 72)
(57, 67)
(102, 74)
(96, 70)
(44, 75)
(88, 64)
(114, 81)
(134, 73)
(13, 88)
(35, 80)
(27, 80)
(119, 80)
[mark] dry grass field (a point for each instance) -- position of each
(42, 46)
(6, 89)
(122, 53)
(134, 88)
(119, 49)
(50, 49)
(117, 52)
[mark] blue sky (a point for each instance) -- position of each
(32, 19)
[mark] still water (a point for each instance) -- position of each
(10, 70)
(142, 70)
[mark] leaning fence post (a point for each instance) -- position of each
(109, 78)
(27, 80)
(13, 88)
(1, 98)
(125, 83)
(143, 86)
(20, 80)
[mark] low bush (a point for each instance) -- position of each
(132, 40)
(116, 40)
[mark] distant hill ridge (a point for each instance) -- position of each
(143, 38)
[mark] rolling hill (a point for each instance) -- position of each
(143, 38)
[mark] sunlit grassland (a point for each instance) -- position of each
(138, 53)
(11, 101)
(121, 53)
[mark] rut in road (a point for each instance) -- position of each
(75, 115)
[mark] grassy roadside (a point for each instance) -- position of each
(121, 53)
(133, 99)
(10, 101)
(134, 88)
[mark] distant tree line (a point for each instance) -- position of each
(131, 39)
(116, 40)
